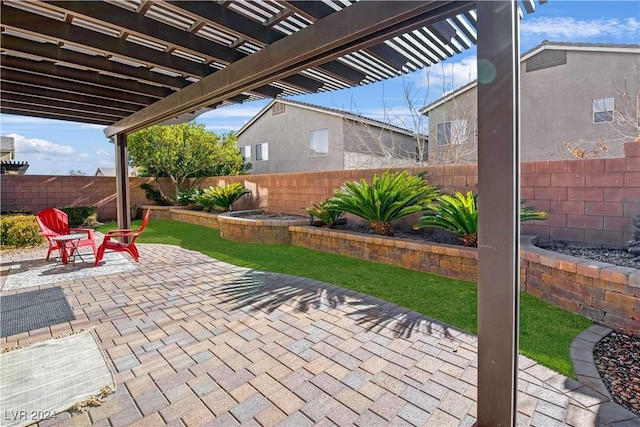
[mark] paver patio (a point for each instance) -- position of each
(195, 341)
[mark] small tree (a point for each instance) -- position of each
(184, 151)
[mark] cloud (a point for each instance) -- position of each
(41, 149)
(447, 76)
(574, 29)
(230, 118)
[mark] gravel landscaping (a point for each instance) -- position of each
(612, 256)
(617, 357)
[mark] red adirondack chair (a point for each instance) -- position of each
(53, 223)
(122, 246)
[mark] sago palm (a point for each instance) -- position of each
(222, 197)
(324, 212)
(458, 214)
(389, 197)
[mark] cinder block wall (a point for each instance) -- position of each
(589, 200)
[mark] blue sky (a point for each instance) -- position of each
(58, 147)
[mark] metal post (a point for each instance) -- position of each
(499, 209)
(122, 182)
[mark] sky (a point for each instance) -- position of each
(54, 147)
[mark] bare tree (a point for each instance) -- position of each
(384, 145)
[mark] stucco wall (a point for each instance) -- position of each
(589, 200)
(557, 102)
(556, 106)
(287, 134)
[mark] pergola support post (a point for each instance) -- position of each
(122, 182)
(499, 210)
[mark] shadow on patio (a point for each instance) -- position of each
(194, 339)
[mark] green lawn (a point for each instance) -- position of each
(546, 331)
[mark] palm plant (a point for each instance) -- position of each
(324, 212)
(221, 197)
(390, 197)
(458, 214)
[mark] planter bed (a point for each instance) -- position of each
(205, 219)
(249, 230)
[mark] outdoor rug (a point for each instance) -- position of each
(28, 311)
(39, 272)
(41, 380)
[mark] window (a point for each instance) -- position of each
(319, 142)
(603, 110)
(453, 132)
(262, 151)
(246, 153)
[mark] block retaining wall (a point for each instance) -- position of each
(205, 219)
(275, 232)
(605, 293)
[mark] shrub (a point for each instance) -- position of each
(221, 197)
(389, 198)
(19, 231)
(458, 214)
(323, 211)
(81, 215)
(154, 195)
(188, 197)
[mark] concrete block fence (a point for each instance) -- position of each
(591, 200)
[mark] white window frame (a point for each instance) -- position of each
(262, 152)
(245, 150)
(457, 133)
(603, 110)
(319, 142)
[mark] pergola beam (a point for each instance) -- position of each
(52, 82)
(51, 51)
(140, 25)
(359, 26)
(37, 24)
(52, 94)
(46, 68)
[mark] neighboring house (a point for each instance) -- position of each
(577, 100)
(292, 136)
(7, 154)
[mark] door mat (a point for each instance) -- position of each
(39, 381)
(28, 311)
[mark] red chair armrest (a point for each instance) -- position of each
(124, 230)
(82, 230)
(126, 233)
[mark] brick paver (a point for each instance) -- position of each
(195, 341)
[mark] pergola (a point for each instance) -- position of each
(128, 64)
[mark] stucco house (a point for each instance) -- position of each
(293, 136)
(577, 100)
(7, 154)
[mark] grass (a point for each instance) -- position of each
(546, 331)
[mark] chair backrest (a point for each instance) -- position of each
(145, 220)
(53, 220)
